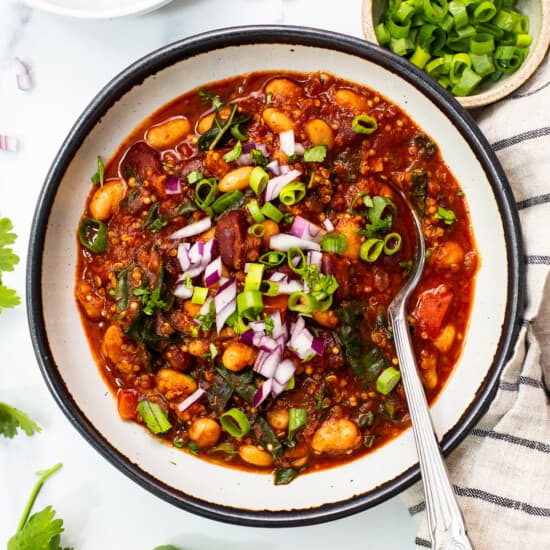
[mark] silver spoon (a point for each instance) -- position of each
(445, 520)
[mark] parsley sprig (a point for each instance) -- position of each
(8, 260)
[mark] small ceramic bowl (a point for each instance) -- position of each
(62, 349)
(538, 12)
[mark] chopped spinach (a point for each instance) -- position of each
(240, 383)
(267, 438)
(419, 182)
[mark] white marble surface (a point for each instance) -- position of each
(71, 59)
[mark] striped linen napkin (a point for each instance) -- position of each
(501, 471)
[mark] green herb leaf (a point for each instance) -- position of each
(8, 260)
(283, 476)
(419, 182)
(448, 217)
(258, 158)
(234, 153)
(207, 95)
(99, 176)
(154, 417)
(12, 419)
(315, 154)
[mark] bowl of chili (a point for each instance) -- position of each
(225, 273)
(480, 51)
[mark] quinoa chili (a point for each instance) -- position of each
(237, 257)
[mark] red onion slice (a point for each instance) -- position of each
(192, 229)
(23, 76)
(328, 225)
(267, 362)
(277, 388)
(304, 229)
(172, 185)
(286, 140)
(213, 272)
(262, 393)
(285, 371)
(275, 185)
(183, 256)
(9, 143)
(225, 303)
(318, 345)
(205, 308)
(315, 258)
(284, 242)
(274, 167)
(196, 396)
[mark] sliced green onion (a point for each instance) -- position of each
(297, 419)
(258, 180)
(482, 64)
(420, 57)
(361, 199)
(250, 304)
(92, 234)
(364, 124)
(270, 211)
(194, 176)
(235, 153)
(482, 43)
(484, 12)
(448, 217)
(292, 193)
(508, 58)
(459, 14)
(270, 288)
(205, 191)
(435, 11)
(387, 380)
(334, 242)
(315, 154)
(200, 294)
(396, 29)
(273, 258)
(371, 249)
(238, 133)
(257, 230)
(506, 20)
(382, 34)
(254, 277)
(302, 302)
(254, 209)
(458, 65)
(223, 202)
(392, 243)
(401, 46)
(467, 83)
(523, 40)
(297, 260)
(235, 423)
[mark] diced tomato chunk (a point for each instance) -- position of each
(276, 303)
(431, 309)
(127, 401)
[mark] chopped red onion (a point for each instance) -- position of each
(247, 337)
(299, 149)
(285, 371)
(318, 345)
(286, 140)
(262, 393)
(315, 257)
(285, 169)
(205, 308)
(328, 225)
(267, 362)
(8, 143)
(23, 77)
(183, 291)
(279, 329)
(284, 242)
(286, 285)
(274, 167)
(172, 185)
(213, 272)
(225, 302)
(304, 229)
(196, 396)
(277, 388)
(244, 160)
(192, 229)
(276, 184)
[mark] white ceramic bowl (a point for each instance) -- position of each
(538, 12)
(60, 343)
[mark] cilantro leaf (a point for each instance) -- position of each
(8, 260)
(99, 176)
(12, 419)
(8, 298)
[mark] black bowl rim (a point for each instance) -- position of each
(290, 35)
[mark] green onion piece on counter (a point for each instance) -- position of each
(205, 192)
(194, 177)
(254, 276)
(446, 216)
(297, 260)
(392, 243)
(273, 258)
(254, 210)
(235, 423)
(154, 417)
(292, 193)
(387, 380)
(93, 235)
(257, 230)
(200, 294)
(364, 124)
(302, 302)
(235, 153)
(223, 202)
(258, 180)
(270, 211)
(334, 242)
(315, 154)
(250, 304)
(297, 419)
(371, 249)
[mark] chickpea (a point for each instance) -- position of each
(336, 436)
(111, 347)
(326, 318)
(255, 455)
(237, 356)
(349, 227)
(446, 338)
(168, 133)
(205, 432)
(105, 200)
(350, 100)
(278, 418)
(298, 455)
(283, 87)
(199, 347)
(448, 255)
(271, 228)
(172, 383)
(277, 121)
(236, 179)
(320, 133)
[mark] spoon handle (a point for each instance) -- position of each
(444, 517)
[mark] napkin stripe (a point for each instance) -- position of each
(533, 92)
(417, 508)
(422, 542)
(520, 138)
(537, 260)
(501, 501)
(514, 440)
(523, 380)
(533, 201)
